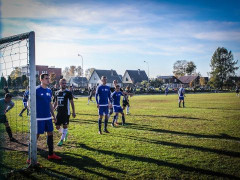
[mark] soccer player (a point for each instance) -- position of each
(166, 91)
(112, 89)
(91, 92)
(237, 91)
(5, 105)
(63, 97)
(25, 102)
(44, 111)
(126, 100)
(181, 95)
(116, 96)
(103, 95)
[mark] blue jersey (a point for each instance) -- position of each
(25, 96)
(181, 92)
(103, 93)
(116, 97)
(43, 100)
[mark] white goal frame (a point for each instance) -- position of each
(32, 89)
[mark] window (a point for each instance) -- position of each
(44, 72)
(95, 78)
(126, 79)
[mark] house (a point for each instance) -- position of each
(170, 81)
(189, 81)
(78, 82)
(111, 75)
(134, 77)
(41, 69)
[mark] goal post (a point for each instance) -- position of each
(11, 57)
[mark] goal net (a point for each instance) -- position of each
(18, 77)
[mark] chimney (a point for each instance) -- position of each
(111, 72)
(138, 71)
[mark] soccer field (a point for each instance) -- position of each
(160, 141)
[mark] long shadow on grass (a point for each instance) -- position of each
(172, 117)
(148, 128)
(83, 162)
(160, 162)
(177, 145)
(223, 108)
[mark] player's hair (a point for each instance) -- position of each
(117, 86)
(8, 95)
(103, 77)
(63, 79)
(43, 75)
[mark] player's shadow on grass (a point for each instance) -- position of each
(177, 145)
(148, 128)
(84, 163)
(172, 117)
(159, 162)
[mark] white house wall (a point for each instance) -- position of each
(94, 80)
(126, 76)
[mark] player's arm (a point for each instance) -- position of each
(73, 108)
(55, 105)
(110, 99)
(52, 112)
(96, 97)
(10, 106)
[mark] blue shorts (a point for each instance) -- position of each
(117, 109)
(103, 110)
(44, 126)
(181, 98)
(25, 104)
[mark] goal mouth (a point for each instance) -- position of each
(18, 75)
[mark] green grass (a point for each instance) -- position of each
(160, 141)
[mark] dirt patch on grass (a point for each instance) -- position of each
(22, 141)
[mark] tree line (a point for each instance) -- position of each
(223, 69)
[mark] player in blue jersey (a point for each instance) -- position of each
(181, 95)
(237, 91)
(166, 91)
(103, 97)
(45, 112)
(5, 105)
(116, 97)
(25, 102)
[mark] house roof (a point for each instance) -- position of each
(166, 77)
(110, 74)
(137, 75)
(187, 79)
(78, 80)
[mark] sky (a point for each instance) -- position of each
(122, 34)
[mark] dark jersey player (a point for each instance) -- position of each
(126, 100)
(103, 97)
(63, 99)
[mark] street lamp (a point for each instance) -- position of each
(148, 69)
(82, 67)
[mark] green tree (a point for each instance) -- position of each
(3, 82)
(179, 68)
(52, 78)
(222, 67)
(9, 81)
(191, 67)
